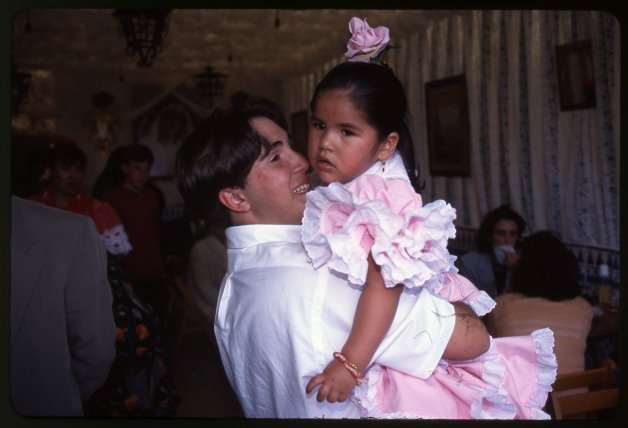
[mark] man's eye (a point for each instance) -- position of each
(275, 158)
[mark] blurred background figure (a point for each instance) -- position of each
(139, 383)
(490, 267)
(546, 293)
(62, 327)
(139, 205)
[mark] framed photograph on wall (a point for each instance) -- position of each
(448, 137)
(574, 71)
(298, 128)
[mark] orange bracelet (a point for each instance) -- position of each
(359, 379)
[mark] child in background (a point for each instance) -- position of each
(369, 223)
(139, 206)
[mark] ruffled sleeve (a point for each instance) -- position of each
(385, 217)
(110, 227)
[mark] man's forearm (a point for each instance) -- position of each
(469, 338)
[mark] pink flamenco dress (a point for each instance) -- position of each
(381, 214)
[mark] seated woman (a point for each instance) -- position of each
(546, 293)
(138, 383)
(490, 267)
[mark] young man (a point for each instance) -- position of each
(278, 320)
(139, 206)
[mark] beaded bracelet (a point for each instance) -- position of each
(351, 367)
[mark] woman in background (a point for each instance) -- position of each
(490, 267)
(546, 293)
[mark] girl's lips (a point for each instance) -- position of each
(323, 165)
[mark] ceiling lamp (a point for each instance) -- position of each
(210, 84)
(20, 82)
(144, 31)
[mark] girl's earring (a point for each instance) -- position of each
(383, 166)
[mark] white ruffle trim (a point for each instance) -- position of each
(547, 366)
(116, 240)
(410, 248)
(482, 304)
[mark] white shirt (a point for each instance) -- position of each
(278, 321)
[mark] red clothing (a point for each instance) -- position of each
(140, 214)
(105, 218)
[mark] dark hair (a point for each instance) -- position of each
(66, 154)
(503, 212)
(379, 94)
(137, 153)
(547, 268)
(220, 153)
(111, 175)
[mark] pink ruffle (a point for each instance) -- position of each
(384, 217)
(510, 381)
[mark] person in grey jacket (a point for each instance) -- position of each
(62, 327)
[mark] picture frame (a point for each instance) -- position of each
(298, 129)
(574, 74)
(448, 134)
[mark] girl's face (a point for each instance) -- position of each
(341, 143)
(67, 179)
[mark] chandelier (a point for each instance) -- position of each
(20, 83)
(210, 84)
(144, 31)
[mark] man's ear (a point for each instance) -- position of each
(388, 146)
(234, 199)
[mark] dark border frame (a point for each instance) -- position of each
(448, 132)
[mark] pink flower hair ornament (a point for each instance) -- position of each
(366, 44)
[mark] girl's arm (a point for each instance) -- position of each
(374, 314)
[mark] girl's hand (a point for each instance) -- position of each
(336, 383)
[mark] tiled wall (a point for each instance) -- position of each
(589, 258)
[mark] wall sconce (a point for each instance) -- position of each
(144, 31)
(20, 83)
(210, 84)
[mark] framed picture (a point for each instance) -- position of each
(574, 71)
(298, 128)
(448, 137)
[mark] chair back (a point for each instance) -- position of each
(600, 392)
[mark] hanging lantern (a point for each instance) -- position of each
(210, 84)
(144, 31)
(20, 83)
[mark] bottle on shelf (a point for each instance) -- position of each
(604, 285)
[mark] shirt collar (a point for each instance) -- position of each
(239, 237)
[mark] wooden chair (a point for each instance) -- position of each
(189, 316)
(602, 393)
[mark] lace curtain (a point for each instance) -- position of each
(559, 169)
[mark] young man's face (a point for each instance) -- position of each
(276, 185)
(136, 175)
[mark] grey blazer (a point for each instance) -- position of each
(62, 326)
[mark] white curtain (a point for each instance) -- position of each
(559, 169)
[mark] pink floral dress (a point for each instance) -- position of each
(379, 213)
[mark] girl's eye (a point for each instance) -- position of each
(347, 133)
(318, 125)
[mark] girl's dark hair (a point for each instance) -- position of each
(378, 93)
(547, 268)
(503, 212)
(137, 153)
(220, 153)
(111, 175)
(65, 153)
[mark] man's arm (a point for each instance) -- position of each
(90, 322)
(470, 338)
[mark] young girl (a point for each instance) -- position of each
(368, 223)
